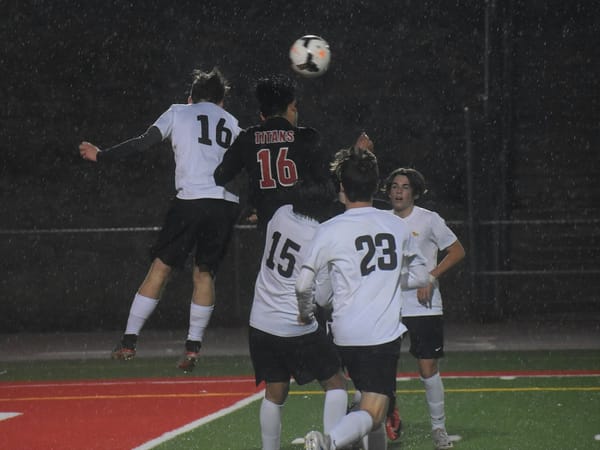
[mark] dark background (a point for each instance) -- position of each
(496, 102)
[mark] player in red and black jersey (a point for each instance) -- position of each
(277, 152)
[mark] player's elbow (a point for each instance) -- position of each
(219, 176)
(461, 253)
(457, 252)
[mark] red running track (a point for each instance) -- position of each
(111, 414)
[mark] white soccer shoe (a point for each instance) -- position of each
(441, 440)
(315, 440)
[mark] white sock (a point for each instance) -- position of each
(434, 393)
(141, 308)
(270, 425)
(351, 428)
(376, 439)
(357, 397)
(199, 318)
(336, 403)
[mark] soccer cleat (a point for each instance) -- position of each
(188, 361)
(315, 440)
(441, 440)
(190, 357)
(393, 425)
(126, 348)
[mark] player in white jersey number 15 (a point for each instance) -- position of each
(280, 346)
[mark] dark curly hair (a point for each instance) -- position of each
(314, 199)
(358, 172)
(274, 94)
(208, 86)
(415, 178)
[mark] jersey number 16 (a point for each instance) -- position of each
(223, 135)
(286, 171)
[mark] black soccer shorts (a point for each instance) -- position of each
(372, 368)
(305, 358)
(204, 225)
(426, 336)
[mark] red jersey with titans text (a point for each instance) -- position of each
(275, 154)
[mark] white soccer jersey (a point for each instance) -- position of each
(275, 308)
(200, 133)
(432, 234)
(366, 250)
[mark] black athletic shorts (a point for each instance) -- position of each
(204, 225)
(426, 336)
(305, 358)
(372, 368)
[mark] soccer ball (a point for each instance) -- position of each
(310, 56)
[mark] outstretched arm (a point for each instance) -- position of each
(143, 142)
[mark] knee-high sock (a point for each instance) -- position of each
(270, 425)
(356, 400)
(336, 403)
(376, 439)
(434, 393)
(141, 308)
(199, 318)
(351, 428)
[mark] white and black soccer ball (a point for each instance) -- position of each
(310, 56)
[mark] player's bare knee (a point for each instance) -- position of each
(337, 381)
(376, 405)
(203, 272)
(159, 273)
(277, 392)
(428, 368)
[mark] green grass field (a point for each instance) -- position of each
(523, 412)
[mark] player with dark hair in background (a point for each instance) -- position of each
(422, 308)
(277, 152)
(201, 216)
(370, 258)
(280, 346)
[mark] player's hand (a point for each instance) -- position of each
(364, 142)
(425, 295)
(88, 151)
(306, 320)
(307, 313)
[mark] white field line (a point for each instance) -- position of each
(242, 403)
(204, 420)
(252, 398)
(8, 415)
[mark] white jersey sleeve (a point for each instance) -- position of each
(200, 134)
